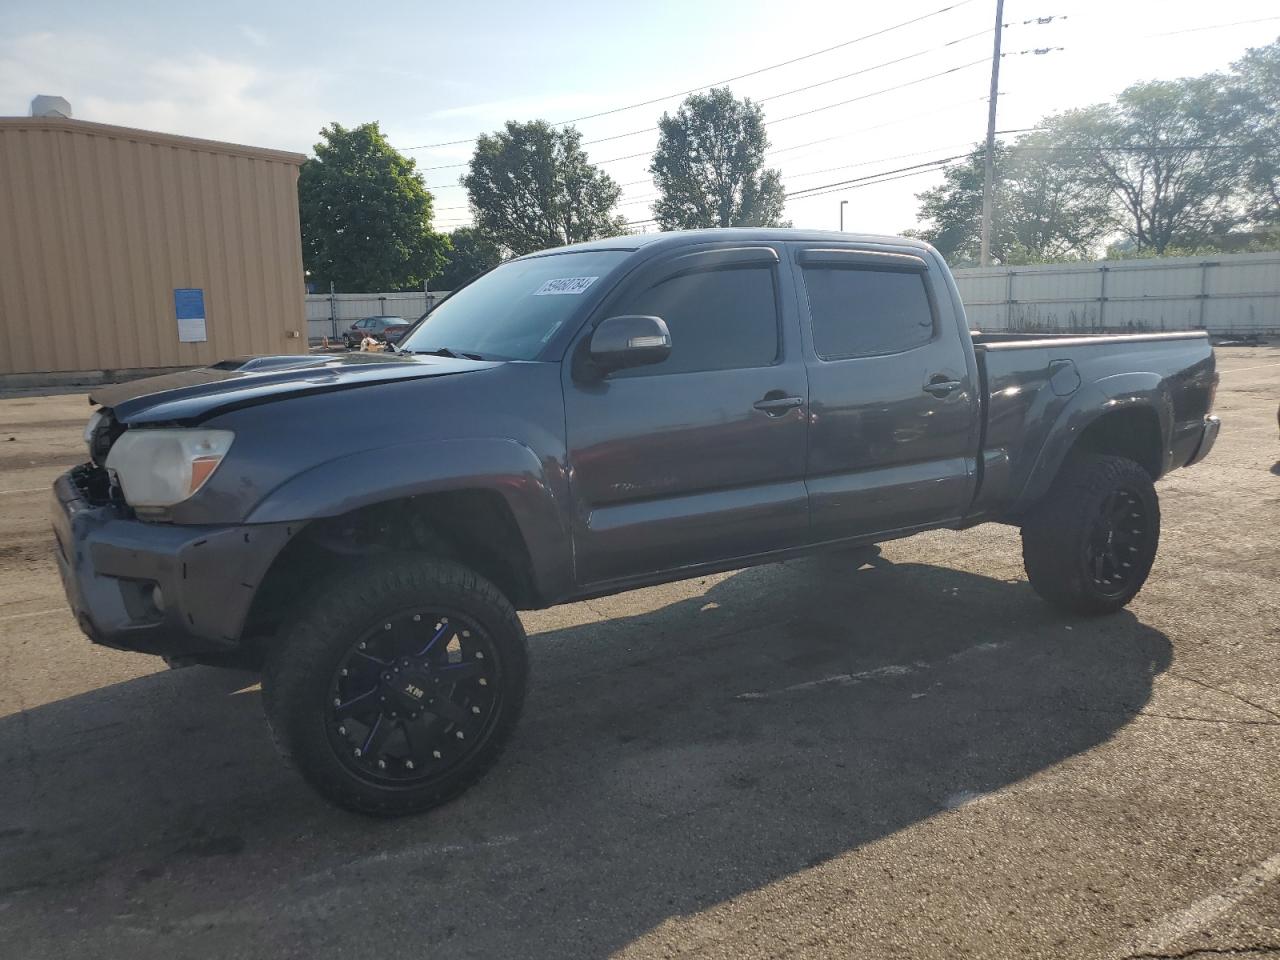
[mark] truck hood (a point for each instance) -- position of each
(194, 395)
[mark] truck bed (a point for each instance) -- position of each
(1035, 386)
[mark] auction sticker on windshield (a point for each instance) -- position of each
(563, 285)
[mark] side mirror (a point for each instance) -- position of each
(629, 341)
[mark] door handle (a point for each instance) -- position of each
(940, 388)
(776, 406)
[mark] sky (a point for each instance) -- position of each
(273, 74)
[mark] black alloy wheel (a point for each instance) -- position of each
(414, 696)
(398, 684)
(1089, 544)
(1116, 541)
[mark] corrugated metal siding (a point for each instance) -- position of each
(1230, 294)
(99, 225)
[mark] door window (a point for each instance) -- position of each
(719, 319)
(859, 312)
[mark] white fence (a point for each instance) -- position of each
(1229, 294)
(329, 314)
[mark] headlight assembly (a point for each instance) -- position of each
(158, 468)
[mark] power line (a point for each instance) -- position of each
(876, 93)
(938, 163)
(811, 86)
(879, 126)
(898, 173)
(946, 108)
(832, 187)
(863, 163)
(872, 183)
(878, 66)
(832, 106)
(1211, 26)
(787, 93)
(741, 76)
(816, 53)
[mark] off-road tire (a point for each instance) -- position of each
(299, 667)
(1061, 539)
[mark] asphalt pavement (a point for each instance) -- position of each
(917, 758)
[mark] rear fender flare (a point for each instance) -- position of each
(1103, 397)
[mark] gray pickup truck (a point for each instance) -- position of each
(580, 422)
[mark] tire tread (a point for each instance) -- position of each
(1054, 534)
(350, 598)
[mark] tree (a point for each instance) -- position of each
(471, 253)
(1255, 85)
(1039, 213)
(365, 214)
(952, 211)
(709, 166)
(1056, 214)
(531, 187)
(1169, 155)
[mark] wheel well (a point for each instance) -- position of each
(1133, 432)
(474, 527)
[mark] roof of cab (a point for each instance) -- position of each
(677, 238)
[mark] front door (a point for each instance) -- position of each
(893, 402)
(699, 458)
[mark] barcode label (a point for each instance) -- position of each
(564, 285)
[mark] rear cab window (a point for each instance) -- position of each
(862, 307)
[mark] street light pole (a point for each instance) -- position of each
(988, 177)
(842, 204)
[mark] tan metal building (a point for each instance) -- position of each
(123, 250)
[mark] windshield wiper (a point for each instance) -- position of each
(446, 352)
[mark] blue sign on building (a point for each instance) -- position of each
(188, 303)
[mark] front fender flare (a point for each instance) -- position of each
(511, 469)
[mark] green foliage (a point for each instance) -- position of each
(470, 254)
(1186, 165)
(365, 214)
(1168, 154)
(1260, 241)
(1038, 214)
(532, 187)
(709, 166)
(1255, 86)
(952, 211)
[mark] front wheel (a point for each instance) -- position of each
(1089, 546)
(398, 687)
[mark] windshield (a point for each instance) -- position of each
(512, 311)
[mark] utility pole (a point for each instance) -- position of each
(842, 206)
(989, 163)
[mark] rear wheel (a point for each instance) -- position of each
(1089, 546)
(399, 687)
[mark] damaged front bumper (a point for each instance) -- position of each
(173, 590)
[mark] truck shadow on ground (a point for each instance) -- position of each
(668, 760)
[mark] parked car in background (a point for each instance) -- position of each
(389, 329)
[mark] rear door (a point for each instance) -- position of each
(893, 406)
(699, 458)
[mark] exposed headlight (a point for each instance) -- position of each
(158, 468)
(91, 426)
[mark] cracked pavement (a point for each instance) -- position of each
(915, 759)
